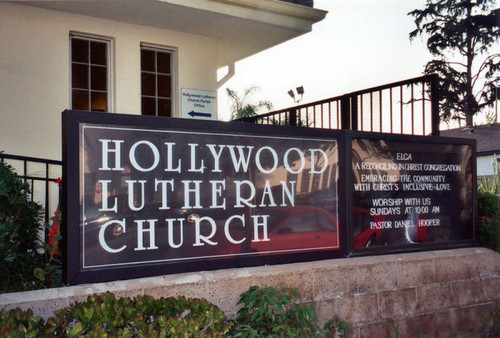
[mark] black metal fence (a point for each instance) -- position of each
(406, 107)
(41, 174)
(409, 107)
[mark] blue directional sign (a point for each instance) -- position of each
(198, 114)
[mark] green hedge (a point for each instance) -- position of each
(488, 201)
(23, 262)
(105, 315)
(265, 313)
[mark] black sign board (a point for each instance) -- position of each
(409, 192)
(150, 196)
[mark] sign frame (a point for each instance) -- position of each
(72, 120)
(377, 250)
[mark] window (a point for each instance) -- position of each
(157, 81)
(90, 73)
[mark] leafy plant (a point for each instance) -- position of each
(142, 316)
(23, 263)
(489, 219)
(18, 323)
(240, 108)
(489, 210)
(491, 326)
(492, 184)
(270, 313)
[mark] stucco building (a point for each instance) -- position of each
(124, 56)
(488, 145)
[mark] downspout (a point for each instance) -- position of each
(230, 73)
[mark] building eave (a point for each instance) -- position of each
(240, 27)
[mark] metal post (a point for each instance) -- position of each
(354, 112)
(293, 116)
(345, 112)
(435, 105)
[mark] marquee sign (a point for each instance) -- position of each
(173, 196)
(150, 196)
(416, 193)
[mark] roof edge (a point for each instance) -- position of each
(269, 6)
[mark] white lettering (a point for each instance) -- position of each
(102, 239)
(154, 150)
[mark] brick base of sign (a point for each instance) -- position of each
(434, 293)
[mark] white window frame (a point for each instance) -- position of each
(110, 47)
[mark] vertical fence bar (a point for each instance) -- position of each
(330, 115)
(314, 116)
(371, 111)
(361, 113)
(322, 117)
(293, 117)
(412, 110)
(380, 109)
(339, 123)
(435, 105)
(390, 107)
(346, 111)
(25, 170)
(401, 113)
(354, 112)
(47, 199)
(423, 107)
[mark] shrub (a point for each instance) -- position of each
(489, 210)
(492, 184)
(270, 313)
(17, 323)
(491, 324)
(22, 266)
(143, 316)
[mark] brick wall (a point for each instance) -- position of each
(436, 292)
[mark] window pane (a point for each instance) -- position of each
(98, 53)
(79, 50)
(148, 60)
(163, 60)
(80, 100)
(79, 76)
(99, 101)
(156, 80)
(148, 106)
(98, 78)
(164, 87)
(148, 84)
(164, 107)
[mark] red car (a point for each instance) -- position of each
(366, 228)
(299, 229)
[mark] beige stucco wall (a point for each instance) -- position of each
(35, 71)
(438, 293)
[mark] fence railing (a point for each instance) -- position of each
(407, 107)
(41, 174)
